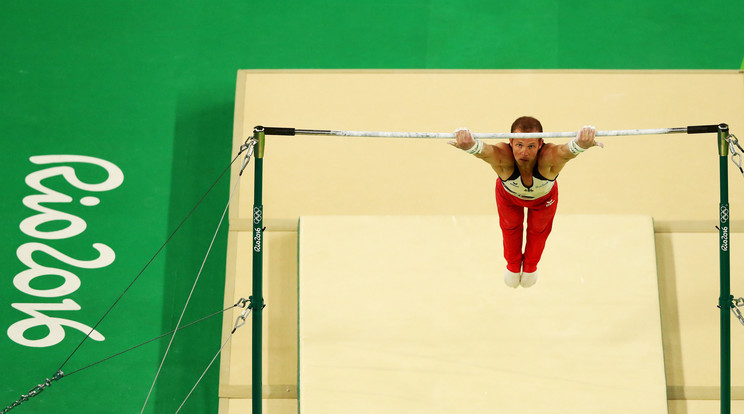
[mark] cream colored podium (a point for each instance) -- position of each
(409, 314)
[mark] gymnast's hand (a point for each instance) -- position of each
(463, 139)
(585, 138)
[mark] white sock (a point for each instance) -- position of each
(511, 279)
(528, 279)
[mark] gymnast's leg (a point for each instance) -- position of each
(511, 221)
(539, 225)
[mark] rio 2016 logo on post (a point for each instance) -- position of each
(724, 239)
(257, 217)
(34, 226)
(724, 229)
(257, 239)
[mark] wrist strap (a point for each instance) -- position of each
(575, 148)
(477, 148)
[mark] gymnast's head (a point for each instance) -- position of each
(526, 124)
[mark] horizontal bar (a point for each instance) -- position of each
(451, 135)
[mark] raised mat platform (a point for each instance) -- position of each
(407, 314)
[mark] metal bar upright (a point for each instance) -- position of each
(257, 302)
(725, 298)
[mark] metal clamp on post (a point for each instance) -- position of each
(259, 134)
(723, 148)
(250, 306)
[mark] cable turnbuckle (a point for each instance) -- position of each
(735, 304)
(33, 392)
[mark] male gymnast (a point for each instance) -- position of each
(527, 169)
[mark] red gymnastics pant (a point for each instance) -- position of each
(540, 214)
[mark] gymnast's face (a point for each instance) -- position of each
(525, 149)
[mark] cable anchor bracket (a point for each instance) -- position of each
(736, 305)
(736, 157)
(248, 146)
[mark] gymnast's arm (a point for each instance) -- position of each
(554, 157)
(499, 155)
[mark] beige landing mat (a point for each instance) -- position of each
(409, 314)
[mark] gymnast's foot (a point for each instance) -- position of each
(511, 279)
(528, 279)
